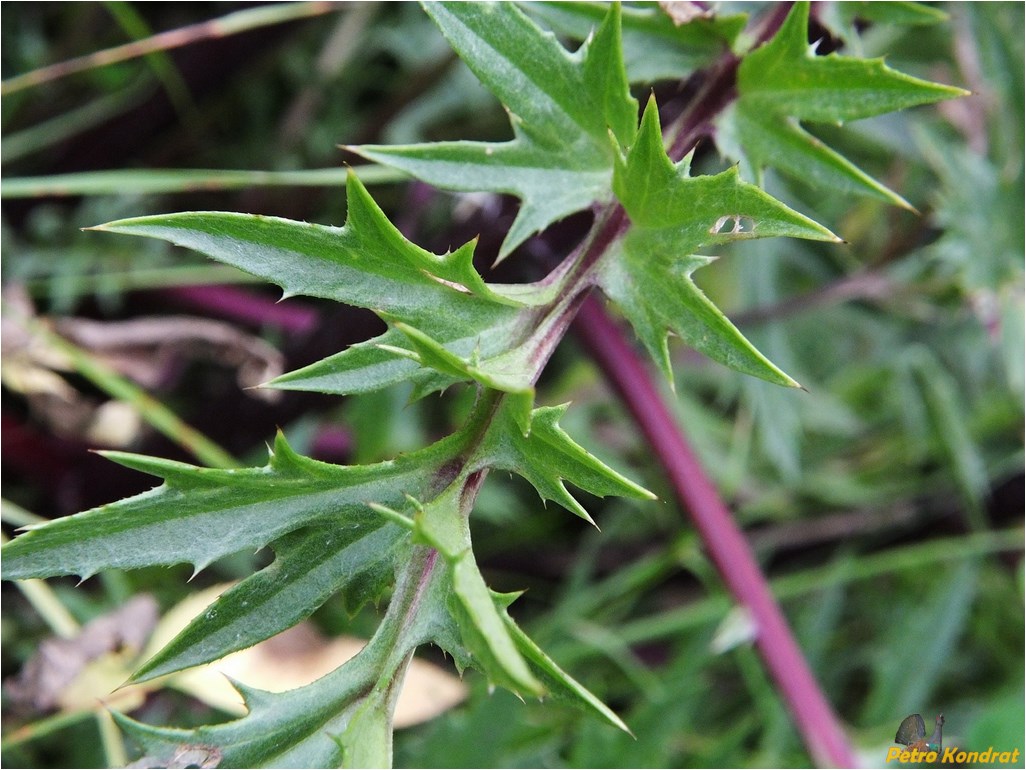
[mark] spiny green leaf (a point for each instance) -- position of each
(345, 717)
(453, 632)
(562, 107)
(366, 263)
(375, 364)
(558, 683)
(461, 636)
(443, 524)
(648, 275)
(662, 196)
(201, 514)
(298, 728)
(780, 141)
(783, 82)
(478, 631)
(548, 456)
(509, 373)
(288, 729)
(472, 630)
(310, 566)
(784, 76)
(484, 633)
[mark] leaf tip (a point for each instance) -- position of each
(575, 507)
(142, 674)
(944, 91)
(504, 251)
(197, 568)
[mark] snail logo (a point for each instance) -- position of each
(920, 749)
(912, 733)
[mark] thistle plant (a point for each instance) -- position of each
(400, 528)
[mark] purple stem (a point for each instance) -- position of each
(725, 542)
(248, 307)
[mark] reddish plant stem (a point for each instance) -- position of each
(246, 307)
(717, 90)
(726, 544)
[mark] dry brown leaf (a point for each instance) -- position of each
(186, 755)
(89, 671)
(99, 685)
(301, 655)
(72, 673)
(147, 349)
(682, 12)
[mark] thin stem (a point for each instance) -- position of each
(696, 493)
(150, 409)
(38, 593)
(865, 285)
(611, 224)
(160, 62)
(232, 24)
(717, 91)
(14, 514)
(931, 555)
(110, 736)
(164, 181)
(421, 567)
(727, 546)
(43, 728)
(45, 602)
(74, 122)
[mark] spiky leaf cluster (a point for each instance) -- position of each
(784, 83)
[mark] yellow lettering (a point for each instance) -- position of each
(1005, 757)
(892, 753)
(949, 755)
(962, 756)
(1015, 756)
(929, 757)
(986, 757)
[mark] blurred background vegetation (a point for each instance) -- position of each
(886, 503)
